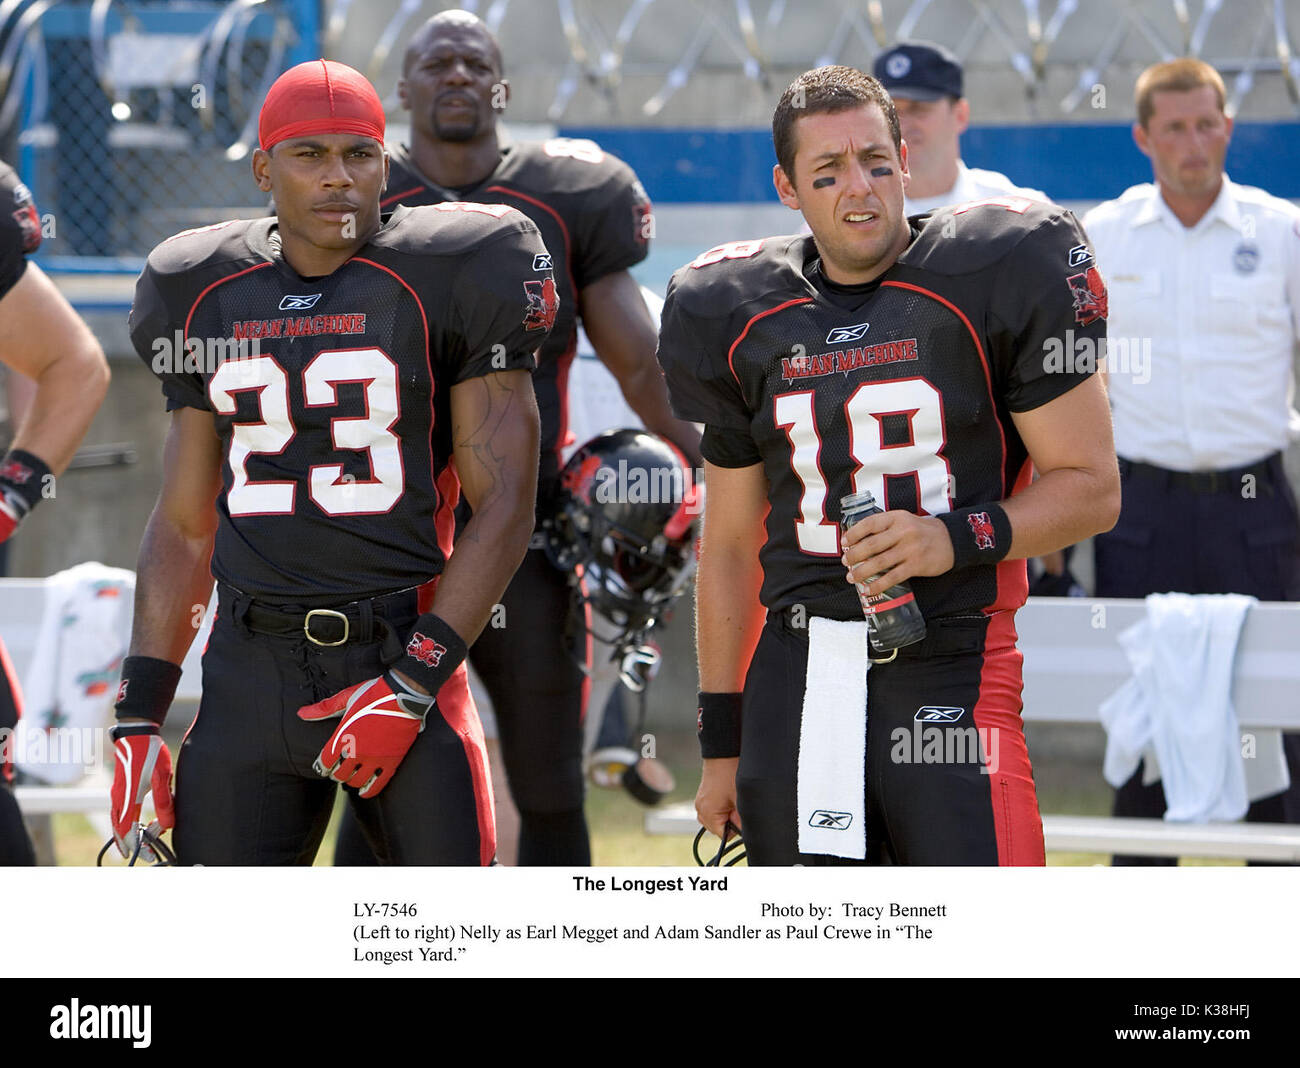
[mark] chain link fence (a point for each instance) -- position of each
(131, 121)
(725, 62)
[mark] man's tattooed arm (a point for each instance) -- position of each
(494, 426)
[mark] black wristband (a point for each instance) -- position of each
(129, 730)
(718, 723)
(22, 477)
(433, 653)
(147, 688)
(980, 535)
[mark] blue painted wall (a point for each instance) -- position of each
(1068, 162)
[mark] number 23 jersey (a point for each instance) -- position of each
(331, 395)
(904, 387)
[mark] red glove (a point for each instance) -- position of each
(10, 517)
(143, 765)
(381, 719)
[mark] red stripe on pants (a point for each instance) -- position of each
(461, 714)
(1016, 820)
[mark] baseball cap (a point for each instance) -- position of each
(320, 96)
(919, 70)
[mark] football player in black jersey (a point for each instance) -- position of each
(921, 360)
(42, 338)
(596, 221)
(311, 465)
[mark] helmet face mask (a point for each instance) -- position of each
(619, 495)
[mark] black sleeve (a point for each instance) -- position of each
(156, 324)
(614, 227)
(20, 228)
(729, 448)
(693, 355)
(503, 306)
(1047, 315)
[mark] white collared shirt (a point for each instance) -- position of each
(1201, 325)
(971, 184)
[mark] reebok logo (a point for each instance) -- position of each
(842, 334)
(76, 1020)
(830, 821)
(291, 303)
(939, 714)
(542, 261)
(1080, 254)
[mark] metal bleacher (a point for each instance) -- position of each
(1073, 662)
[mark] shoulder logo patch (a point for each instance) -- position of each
(1089, 294)
(542, 261)
(543, 303)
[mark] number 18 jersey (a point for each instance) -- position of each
(904, 387)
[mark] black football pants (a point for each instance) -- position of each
(933, 796)
(538, 694)
(246, 792)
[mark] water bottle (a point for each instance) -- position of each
(893, 618)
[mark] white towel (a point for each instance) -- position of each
(1177, 709)
(833, 741)
(71, 684)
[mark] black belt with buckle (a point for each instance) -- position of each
(328, 627)
(1204, 482)
(944, 635)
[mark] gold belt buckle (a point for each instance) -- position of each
(330, 612)
(881, 659)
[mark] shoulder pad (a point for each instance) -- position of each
(204, 244)
(20, 225)
(568, 164)
(718, 281)
(971, 237)
(450, 229)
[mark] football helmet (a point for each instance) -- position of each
(624, 524)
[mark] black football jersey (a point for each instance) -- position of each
(331, 395)
(595, 218)
(904, 387)
(20, 228)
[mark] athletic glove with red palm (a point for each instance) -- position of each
(380, 721)
(144, 764)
